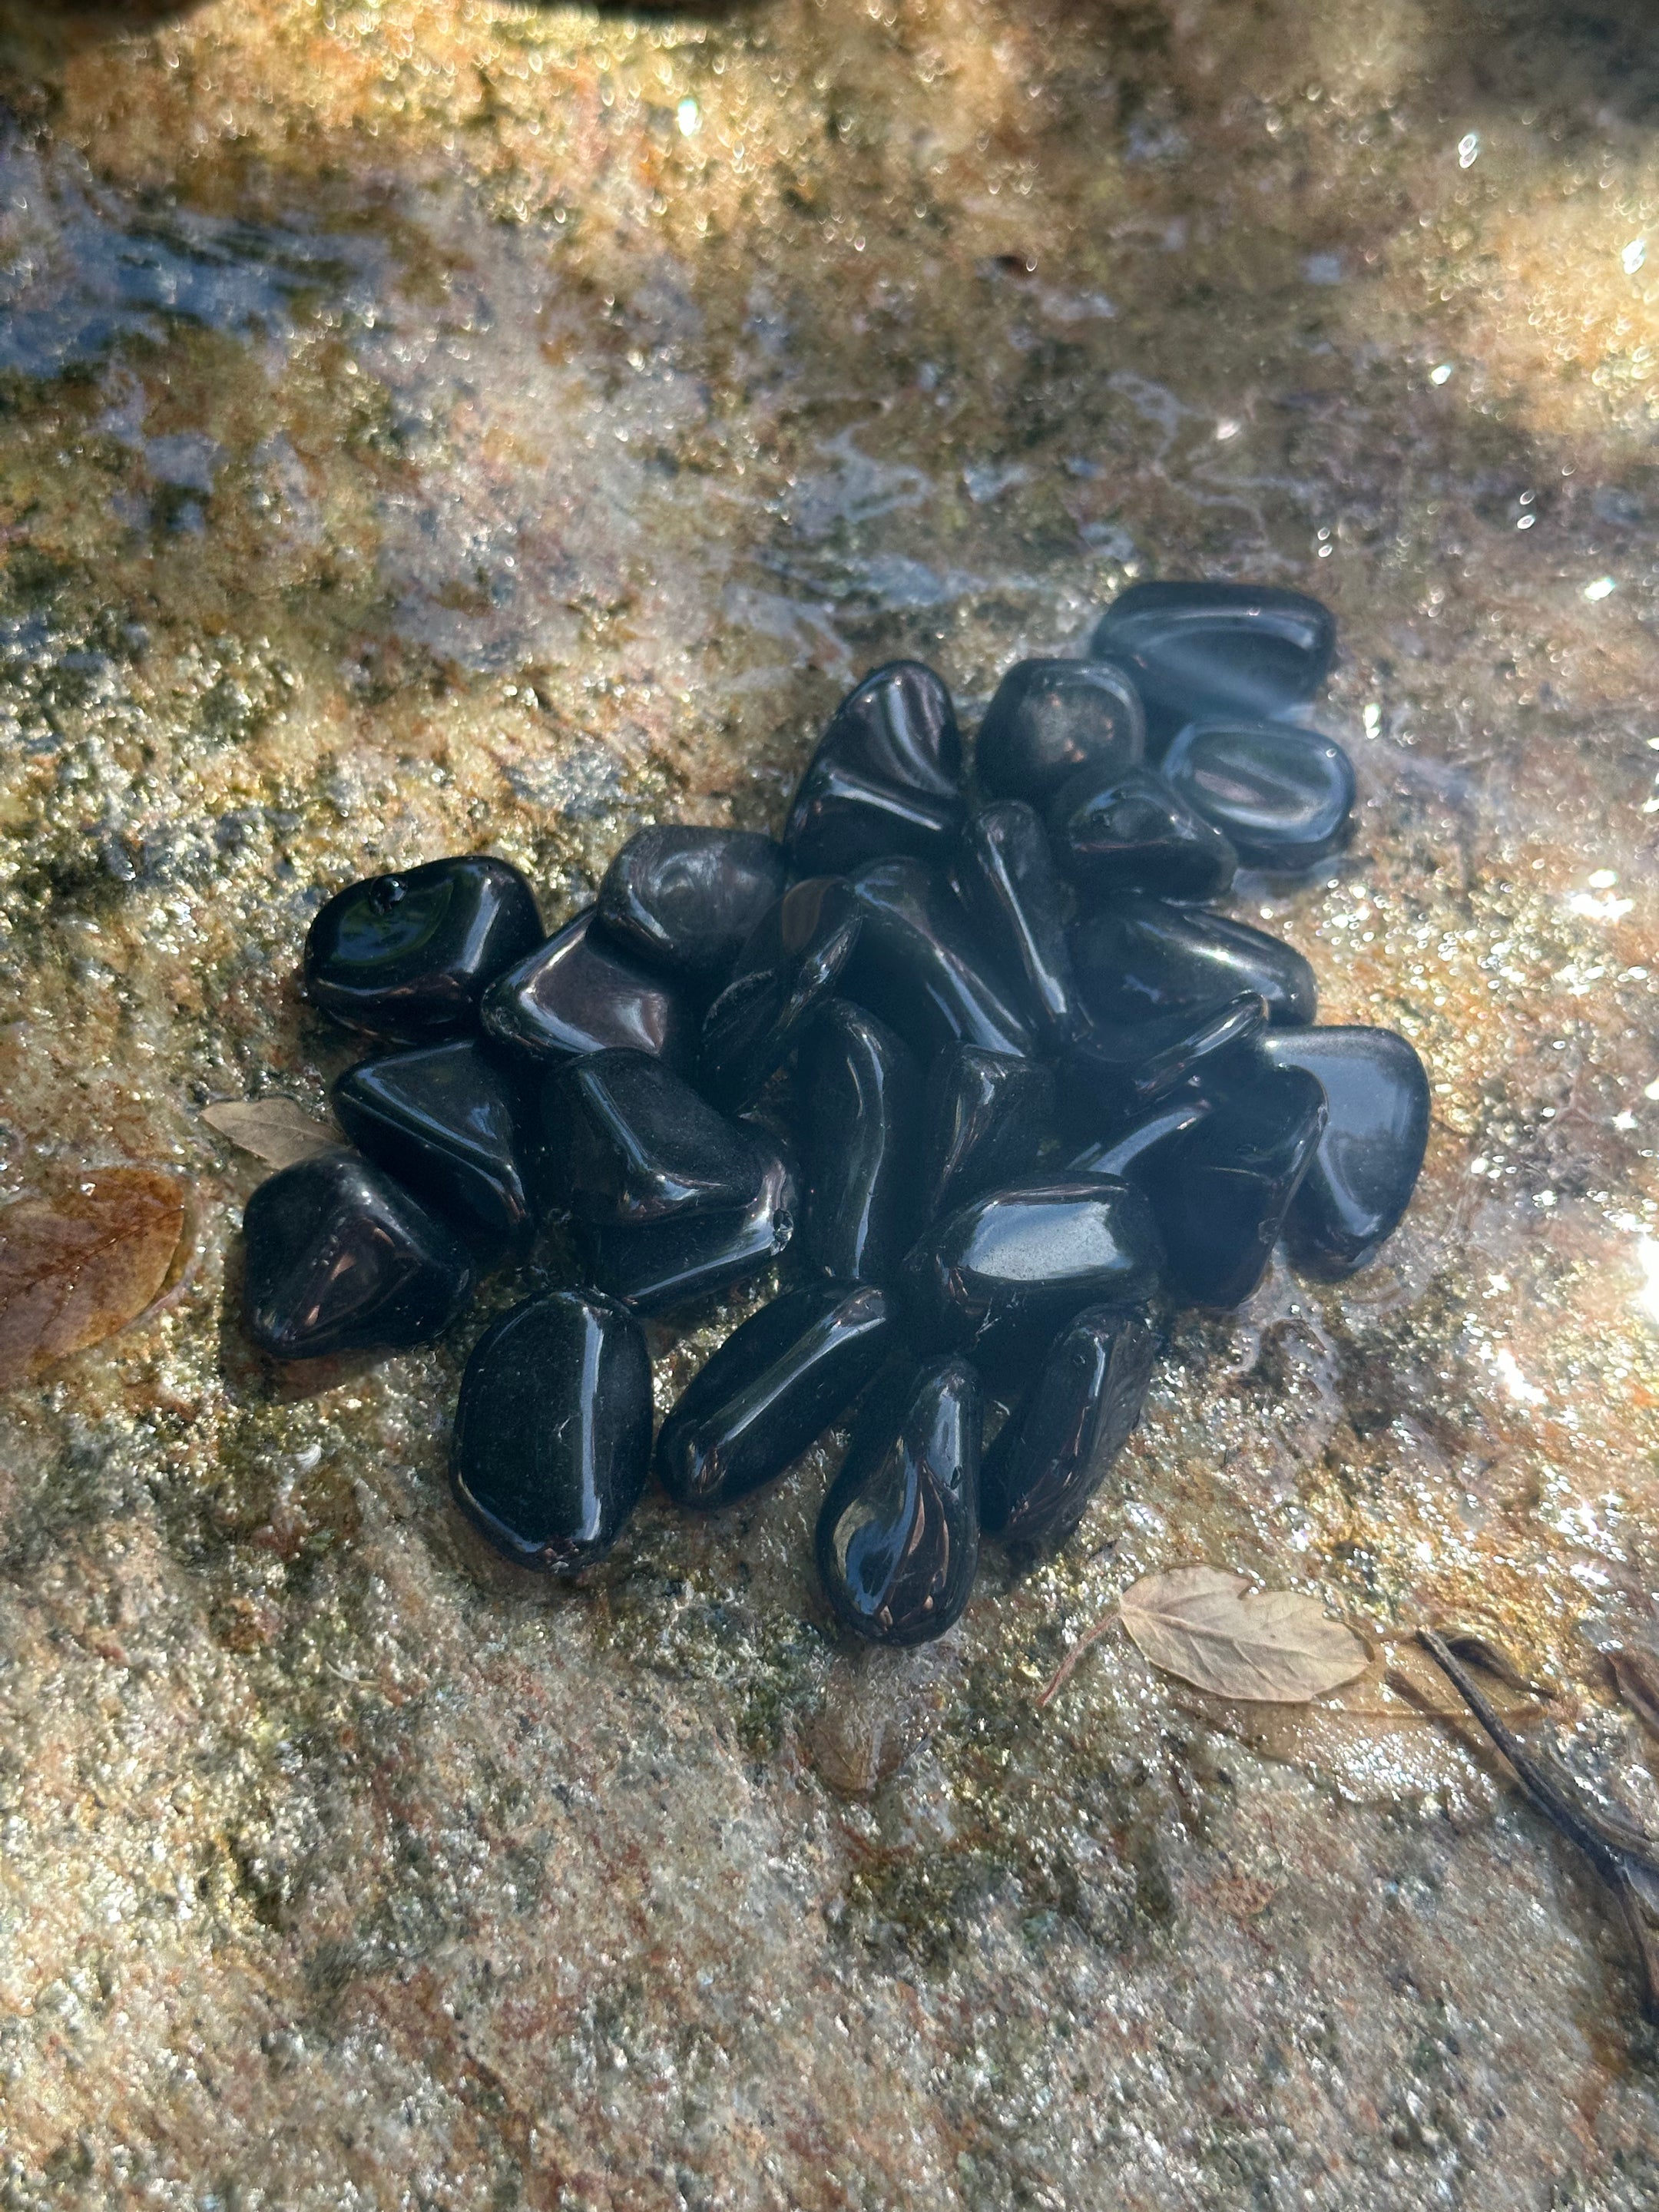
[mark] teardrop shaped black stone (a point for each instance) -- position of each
(1051, 1457)
(552, 1445)
(860, 1130)
(1004, 874)
(785, 972)
(1135, 956)
(579, 993)
(687, 900)
(886, 776)
(629, 1142)
(657, 1265)
(1284, 796)
(1051, 718)
(1118, 1069)
(1132, 833)
(448, 1123)
(1363, 1175)
(409, 955)
(986, 1116)
(897, 1540)
(920, 966)
(1226, 1186)
(1193, 647)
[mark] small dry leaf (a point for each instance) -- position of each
(1212, 1630)
(74, 1269)
(274, 1130)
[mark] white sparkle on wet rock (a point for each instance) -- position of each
(1647, 1254)
(1468, 150)
(1602, 588)
(1633, 256)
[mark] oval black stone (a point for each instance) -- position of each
(340, 1258)
(630, 1142)
(1051, 718)
(897, 1540)
(1135, 833)
(1250, 649)
(1226, 1186)
(886, 776)
(783, 975)
(654, 1265)
(1360, 1182)
(409, 955)
(776, 1383)
(579, 993)
(1136, 1147)
(860, 1137)
(1051, 1457)
(552, 1444)
(1119, 1069)
(1004, 877)
(1284, 796)
(918, 966)
(447, 1121)
(986, 1116)
(1136, 956)
(687, 900)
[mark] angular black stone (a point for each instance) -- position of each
(776, 1383)
(447, 1121)
(1284, 796)
(1133, 833)
(340, 1258)
(886, 776)
(1134, 1148)
(1135, 956)
(1225, 1187)
(1001, 1273)
(1363, 1175)
(1051, 1457)
(860, 1133)
(579, 993)
(985, 1118)
(409, 955)
(628, 1142)
(785, 972)
(1051, 718)
(1004, 874)
(920, 966)
(897, 1540)
(1116, 1070)
(687, 900)
(654, 1265)
(1197, 647)
(552, 1445)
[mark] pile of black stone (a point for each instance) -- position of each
(983, 1067)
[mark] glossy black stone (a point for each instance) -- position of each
(1135, 956)
(886, 776)
(897, 1539)
(920, 966)
(552, 1445)
(628, 1142)
(1136, 1147)
(1226, 1186)
(580, 993)
(986, 1116)
(446, 1120)
(340, 1258)
(1363, 1175)
(687, 900)
(409, 955)
(785, 972)
(1004, 875)
(1133, 833)
(1284, 796)
(1116, 1070)
(776, 1383)
(1051, 1456)
(1051, 718)
(654, 1265)
(860, 1133)
(1197, 648)
(1000, 1274)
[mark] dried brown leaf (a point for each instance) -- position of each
(274, 1130)
(1212, 1630)
(76, 1268)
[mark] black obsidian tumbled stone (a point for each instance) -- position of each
(686, 900)
(1226, 1186)
(860, 1130)
(446, 1120)
(785, 972)
(1051, 718)
(552, 1445)
(1360, 1182)
(919, 965)
(986, 1116)
(1283, 795)
(897, 1540)
(628, 1142)
(1004, 875)
(1197, 648)
(1052, 1455)
(776, 1383)
(683, 1256)
(409, 955)
(1119, 1069)
(886, 776)
(340, 1258)
(1129, 833)
(1134, 956)
(580, 993)
(1135, 1148)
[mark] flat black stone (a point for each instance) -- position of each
(655, 1265)
(1284, 796)
(1004, 874)
(898, 1540)
(1117, 1070)
(1133, 833)
(1051, 718)
(1136, 1147)
(886, 776)
(1226, 1186)
(628, 1142)
(860, 1133)
(580, 993)
(445, 1120)
(1051, 1457)
(785, 972)
(340, 1258)
(986, 1116)
(1363, 1175)
(409, 955)
(1198, 647)
(1135, 956)
(920, 966)
(687, 900)
(552, 1445)
(776, 1383)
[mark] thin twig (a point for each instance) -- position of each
(1067, 1667)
